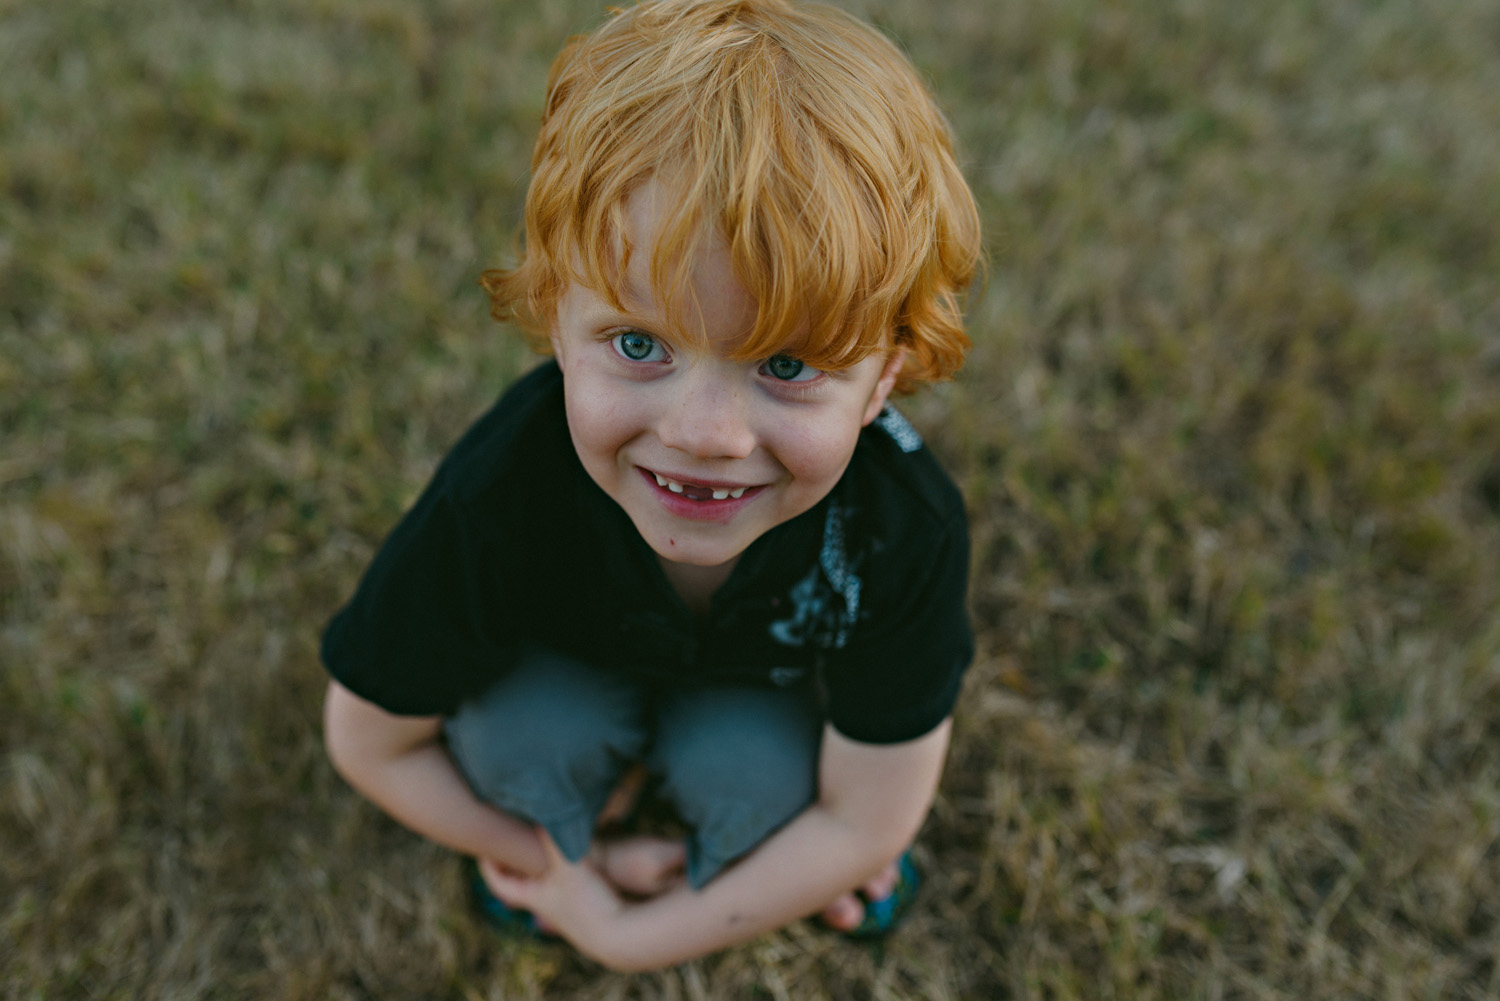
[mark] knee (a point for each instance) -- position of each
(734, 801)
(738, 763)
(771, 784)
(503, 757)
(517, 752)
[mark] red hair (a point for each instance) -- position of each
(801, 136)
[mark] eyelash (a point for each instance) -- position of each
(817, 373)
(795, 388)
(616, 337)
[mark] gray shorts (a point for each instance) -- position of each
(549, 743)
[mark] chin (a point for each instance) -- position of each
(689, 554)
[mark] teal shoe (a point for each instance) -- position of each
(882, 916)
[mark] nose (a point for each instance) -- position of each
(706, 416)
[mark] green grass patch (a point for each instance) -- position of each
(1228, 436)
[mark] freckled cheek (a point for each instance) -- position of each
(601, 423)
(816, 457)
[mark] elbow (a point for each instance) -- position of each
(364, 742)
(882, 830)
(337, 732)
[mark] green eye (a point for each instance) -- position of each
(785, 367)
(635, 345)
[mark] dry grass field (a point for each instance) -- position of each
(1229, 436)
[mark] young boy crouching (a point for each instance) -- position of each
(699, 540)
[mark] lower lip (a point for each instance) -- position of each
(683, 506)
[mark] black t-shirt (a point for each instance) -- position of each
(513, 543)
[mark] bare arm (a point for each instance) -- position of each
(400, 764)
(872, 799)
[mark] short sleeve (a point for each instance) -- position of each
(420, 634)
(901, 673)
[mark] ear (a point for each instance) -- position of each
(557, 351)
(883, 387)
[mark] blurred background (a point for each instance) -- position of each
(1229, 437)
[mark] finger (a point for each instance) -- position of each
(517, 891)
(549, 848)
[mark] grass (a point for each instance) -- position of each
(1230, 439)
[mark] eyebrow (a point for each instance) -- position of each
(628, 292)
(653, 307)
(631, 309)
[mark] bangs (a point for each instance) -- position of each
(806, 294)
(800, 137)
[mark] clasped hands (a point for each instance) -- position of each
(583, 901)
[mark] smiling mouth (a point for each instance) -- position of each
(699, 492)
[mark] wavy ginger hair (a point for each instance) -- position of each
(802, 137)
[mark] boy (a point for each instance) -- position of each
(699, 541)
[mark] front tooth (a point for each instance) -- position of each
(661, 480)
(736, 493)
(720, 494)
(674, 486)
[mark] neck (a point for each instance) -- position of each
(696, 585)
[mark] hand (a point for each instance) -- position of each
(572, 899)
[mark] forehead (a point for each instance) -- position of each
(660, 257)
(686, 279)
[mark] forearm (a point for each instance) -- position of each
(792, 875)
(872, 801)
(424, 791)
(401, 766)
